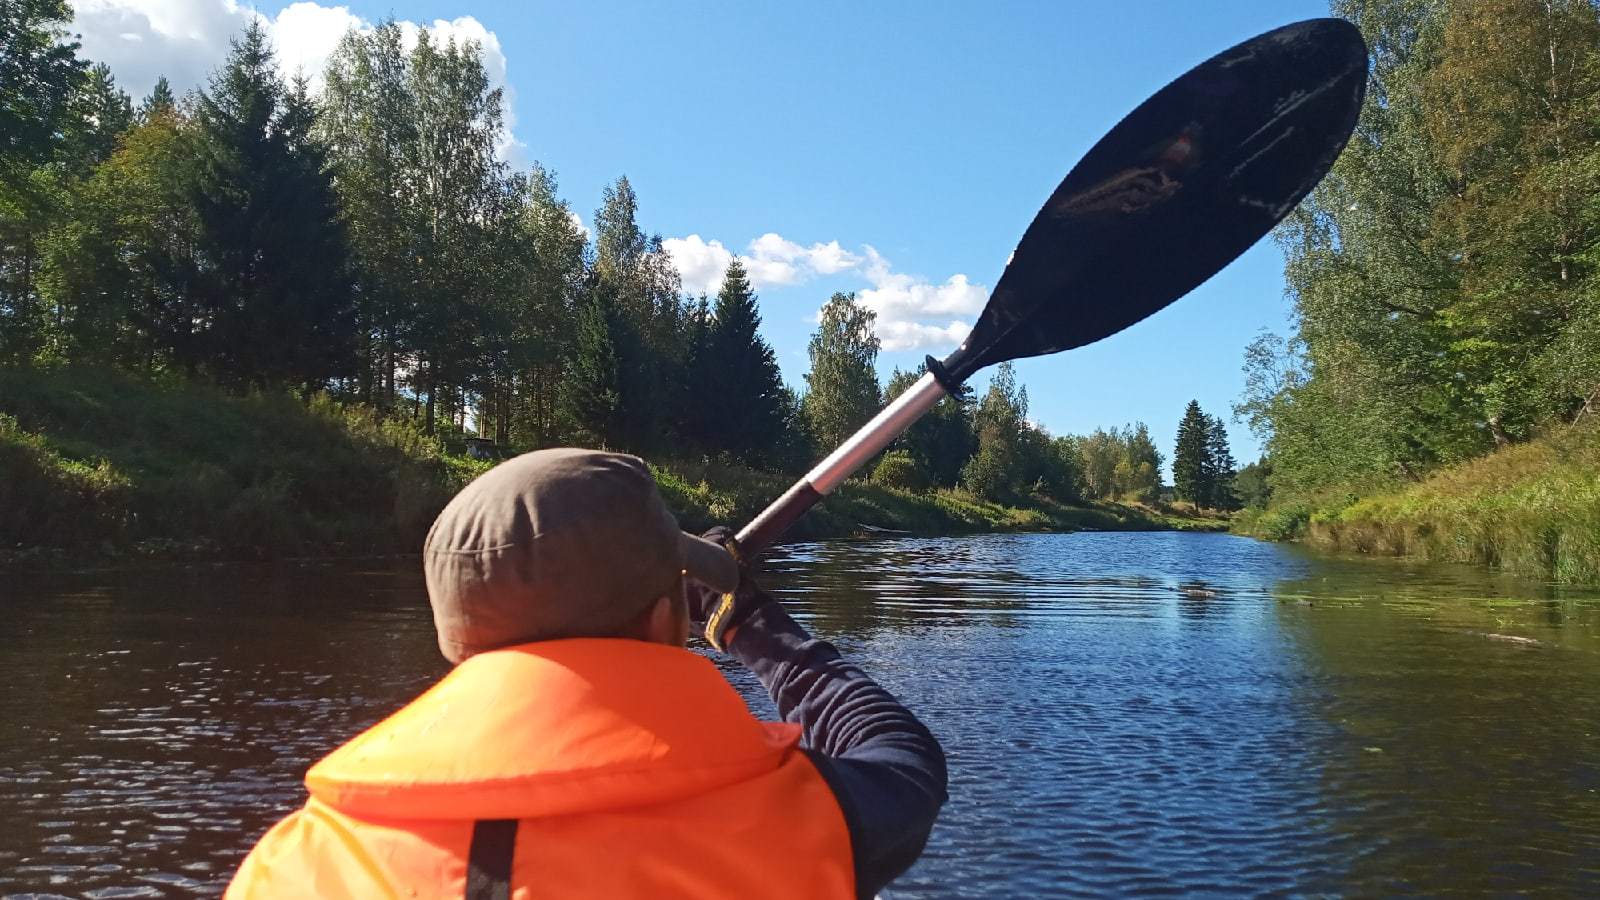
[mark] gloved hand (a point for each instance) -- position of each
(719, 614)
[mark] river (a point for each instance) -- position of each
(1125, 714)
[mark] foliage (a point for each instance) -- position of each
(1444, 274)
(739, 394)
(1120, 462)
(1532, 509)
(1252, 486)
(897, 469)
(95, 460)
(842, 387)
(944, 439)
(39, 75)
(273, 289)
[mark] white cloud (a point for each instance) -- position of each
(912, 312)
(905, 303)
(700, 263)
(186, 40)
(771, 261)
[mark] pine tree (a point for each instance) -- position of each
(1190, 458)
(160, 101)
(842, 387)
(101, 112)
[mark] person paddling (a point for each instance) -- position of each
(578, 749)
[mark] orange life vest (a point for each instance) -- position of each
(628, 769)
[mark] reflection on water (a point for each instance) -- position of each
(1124, 713)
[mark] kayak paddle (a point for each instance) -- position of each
(1188, 181)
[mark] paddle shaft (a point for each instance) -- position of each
(851, 455)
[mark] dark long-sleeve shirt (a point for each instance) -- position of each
(886, 769)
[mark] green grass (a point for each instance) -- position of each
(1531, 509)
(95, 464)
(99, 467)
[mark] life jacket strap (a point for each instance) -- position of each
(489, 859)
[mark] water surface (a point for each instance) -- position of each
(1125, 714)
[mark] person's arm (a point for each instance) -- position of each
(885, 767)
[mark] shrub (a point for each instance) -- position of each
(899, 471)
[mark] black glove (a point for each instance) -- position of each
(718, 614)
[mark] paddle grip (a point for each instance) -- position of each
(776, 518)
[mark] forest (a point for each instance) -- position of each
(365, 245)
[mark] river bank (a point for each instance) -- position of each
(1531, 510)
(99, 468)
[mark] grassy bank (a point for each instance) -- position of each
(98, 467)
(1532, 510)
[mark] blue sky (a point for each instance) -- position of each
(928, 132)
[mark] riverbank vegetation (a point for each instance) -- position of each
(1532, 509)
(213, 307)
(1446, 282)
(97, 466)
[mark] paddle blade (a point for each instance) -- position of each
(1177, 190)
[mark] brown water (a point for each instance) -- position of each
(1125, 714)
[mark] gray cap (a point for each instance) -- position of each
(557, 543)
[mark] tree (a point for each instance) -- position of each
(120, 269)
(161, 101)
(1444, 273)
(997, 470)
(1219, 466)
(552, 249)
(457, 189)
(101, 112)
(943, 440)
(590, 404)
(842, 387)
(639, 278)
(1140, 467)
(745, 414)
(1191, 457)
(368, 121)
(39, 76)
(1101, 452)
(1253, 485)
(275, 292)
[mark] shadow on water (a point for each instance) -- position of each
(1124, 713)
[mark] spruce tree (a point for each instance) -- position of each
(747, 408)
(1190, 458)
(589, 402)
(1220, 464)
(276, 294)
